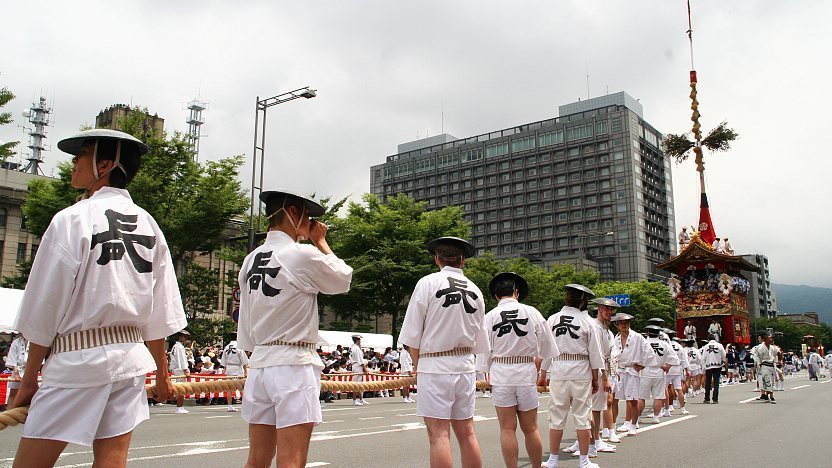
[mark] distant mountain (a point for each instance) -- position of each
(793, 299)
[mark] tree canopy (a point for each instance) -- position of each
(385, 246)
(6, 149)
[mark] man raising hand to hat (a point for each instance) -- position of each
(279, 284)
(101, 298)
(443, 327)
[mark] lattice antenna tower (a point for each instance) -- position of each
(195, 122)
(39, 116)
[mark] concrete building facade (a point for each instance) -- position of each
(16, 242)
(761, 299)
(109, 118)
(591, 187)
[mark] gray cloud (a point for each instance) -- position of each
(386, 70)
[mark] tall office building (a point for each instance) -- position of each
(760, 298)
(591, 187)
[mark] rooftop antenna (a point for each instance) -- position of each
(195, 122)
(38, 116)
(443, 116)
(586, 66)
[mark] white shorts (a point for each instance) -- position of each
(675, 380)
(628, 386)
(359, 377)
(282, 396)
(599, 400)
(694, 371)
(179, 372)
(569, 395)
(446, 396)
(81, 415)
(613, 383)
(524, 398)
(652, 386)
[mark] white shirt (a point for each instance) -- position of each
(714, 329)
(178, 357)
(814, 359)
(233, 359)
(514, 330)
(279, 285)
(574, 333)
(662, 353)
(694, 358)
(405, 361)
(357, 357)
(690, 332)
(446, 311)
(681, 362)
(102, 262)
(634, 351)
(713, 354)
(18, 355)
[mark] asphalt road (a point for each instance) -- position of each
(387, 433)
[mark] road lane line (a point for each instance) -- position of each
(407, 414)
(310, 465)
(799, 386)
(373, 417)
(750, 399)
(667, 423)
(333, 421)
(215, 417)
(826, 381)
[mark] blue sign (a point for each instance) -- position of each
(235, 314)
(622, 299)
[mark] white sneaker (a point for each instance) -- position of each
(589, 464)
(601, 446)
(410, 400)
(486, 395)
(655, 420)
(605, 433)
(632, 432)
(572, 448)
(181, 410)
(684, 411)
(364, 402)
(624, 427)
(669, 409)
(357, 403)
(614, 438)
(231, 409)
(592, 452)
(158, 404)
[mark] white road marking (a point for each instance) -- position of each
(309, 465)
(666, 423)
(826, 381)
(750, 399)
(215, 417)
(478, 418)
(334, 421)
(407, 414)
(373, 417)
(799, 386)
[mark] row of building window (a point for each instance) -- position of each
(21, 251)
(548, 245)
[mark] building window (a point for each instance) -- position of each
(601, 127)
(4, 214)
(21, 252)
(579, 132)
(522, 144)
(496, 150)
(550, 138)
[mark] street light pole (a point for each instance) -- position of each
(261, 106)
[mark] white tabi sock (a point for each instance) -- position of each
(584, 460)
(552, 462)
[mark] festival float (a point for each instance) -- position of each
(706, 281)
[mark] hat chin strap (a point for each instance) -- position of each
(295, 226)
(116, 164)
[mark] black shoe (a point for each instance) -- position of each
(716, 402)
(706, 401)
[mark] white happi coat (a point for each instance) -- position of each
(662, 354)
(18, 355)
(575, 332)
(446, 311)
(357, 358)
(516, 330)
(713, 355)
(102, 262)
(693, 357)
(233, 359)
(634, 351)
(680, 363)
(279, 284)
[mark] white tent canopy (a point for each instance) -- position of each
(9, 305)
(376, 341)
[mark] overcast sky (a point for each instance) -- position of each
(385, 71)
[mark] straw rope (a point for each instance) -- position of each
(16, 416)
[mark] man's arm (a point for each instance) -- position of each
(414, 355)
(164, 387)
(29, 382)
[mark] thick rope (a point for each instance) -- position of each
(17, 416)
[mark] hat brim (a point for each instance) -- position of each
(581, 288)
(520, 284)
(468, 249)
(313, 208)
(74, 144)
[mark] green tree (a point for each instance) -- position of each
(384, 243)
(790, 335)
(546, 291)
(6, 149)
(18, 279)
(199, 287)
(205, 331)
(648, 299)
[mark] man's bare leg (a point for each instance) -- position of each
(534, 443)
(37, 452)
(262, 445)
(111, 452)
(507, 417)
(469, 446)
(439, 436)
(293, 445)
